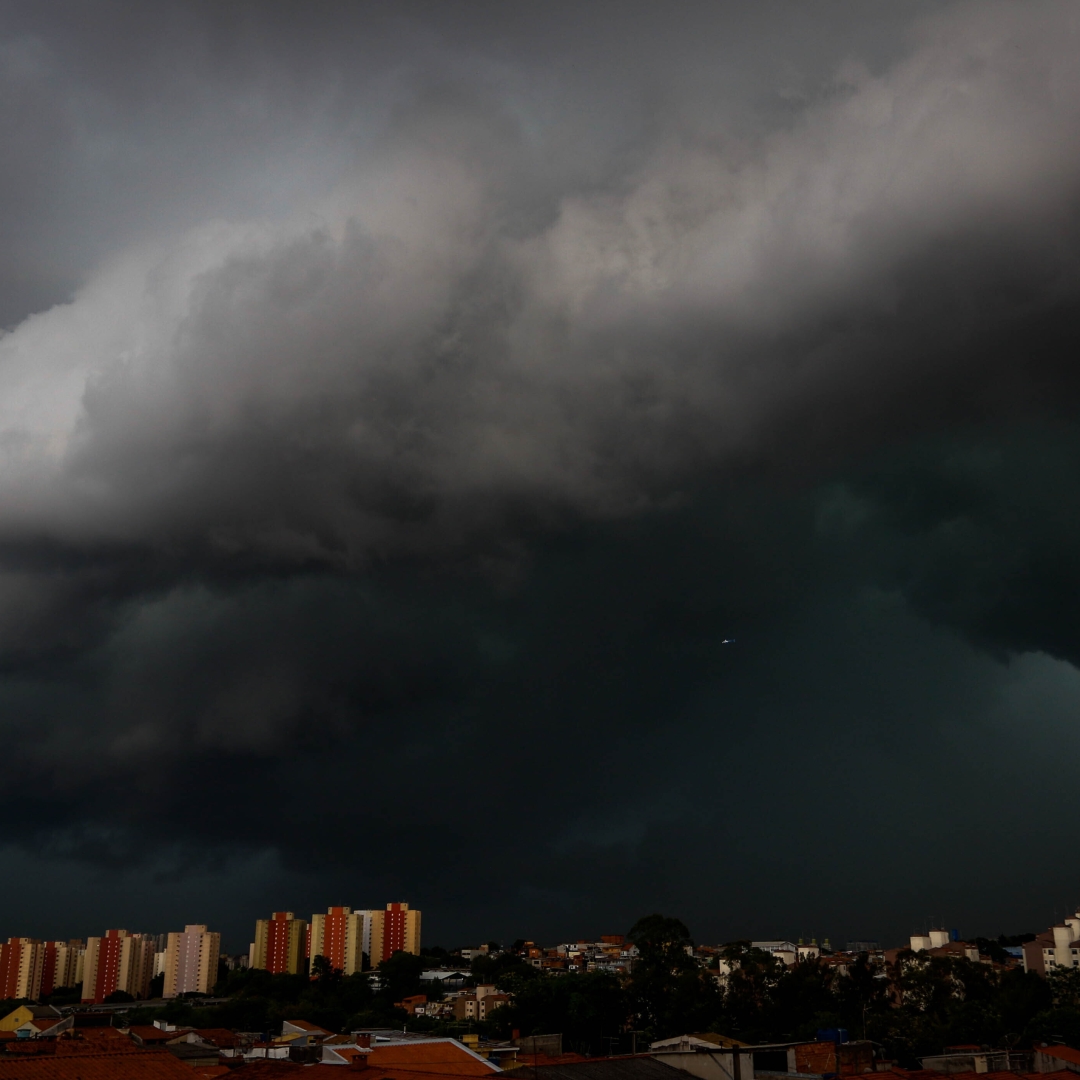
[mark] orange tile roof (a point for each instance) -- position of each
(222, 1037)
(549, 1059)
(930, 1074)
(1064, 1053)
(304, 1025)
(445, 1058)
(141, 1065)
(149, 1033)
(78, 1043)
(45, 1023)
(266, 1070)
(378, 1073)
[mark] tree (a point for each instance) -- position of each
(749, 996)
(400, 976)
(1065, 986)
(589, 1010)
(669, 992)
(504, 969)
(323, 971)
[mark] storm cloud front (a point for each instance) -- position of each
(401, 404)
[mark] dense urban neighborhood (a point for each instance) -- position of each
(358, 989)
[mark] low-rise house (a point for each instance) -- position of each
(478, 1003)
(1058, 947)
(1050, 1059)
(421, 1056)
(222, 1038)
(36, 1021)
(153, 1034)
(303, 1033)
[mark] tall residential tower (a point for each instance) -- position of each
(191, 961)
(397, 929)
(280, 944)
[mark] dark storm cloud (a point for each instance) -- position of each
(436, 395)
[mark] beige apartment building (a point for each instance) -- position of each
(21, 964)
(397, 929)
(191, 961)
(62, 964)
(280, 943)
(33, 969)
(342, 936)
(117, 961)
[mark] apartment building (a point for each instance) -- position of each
(342, 936)
(117, 961)
(60, 964)
(191, 961)
(280, 944)
(397, 929)
(1058, 948)
(21, 963)
(478, 1003)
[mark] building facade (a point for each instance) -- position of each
(60, 964)
(191, 961)
(342, 936)
(117, 961)
(21, 963)
(1058, 948)
(280, 944)
(397, 929)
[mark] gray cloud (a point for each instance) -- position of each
(397, 365)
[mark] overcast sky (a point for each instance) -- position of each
(401, 403)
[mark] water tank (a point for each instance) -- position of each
(939, 938)
(919, 942)
(1062, 937)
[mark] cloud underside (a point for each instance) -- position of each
(421, 498)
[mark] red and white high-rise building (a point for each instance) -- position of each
(397, 929)
(342, 936)
(21, 962)
(117, 961)
(281, 944)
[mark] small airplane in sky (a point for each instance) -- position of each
(728, 641)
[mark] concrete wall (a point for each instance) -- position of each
(707, 1065)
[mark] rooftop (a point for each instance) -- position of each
(140, 1065)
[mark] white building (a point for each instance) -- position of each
(191, 961)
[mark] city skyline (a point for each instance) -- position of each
(307, 920)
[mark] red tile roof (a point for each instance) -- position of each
(549, 1059)
(141, 1065)
(379, 1073)
(304, 1025)
(267, 1070)
(1064, 1053)
(77, 1043)
(150, 1034)
(930, 1074)
(221, 1037)
(445, 1058)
